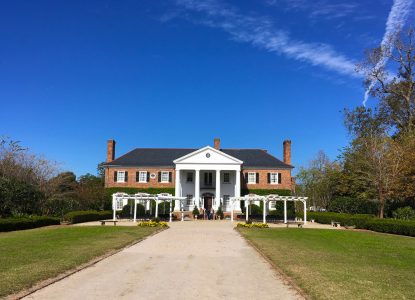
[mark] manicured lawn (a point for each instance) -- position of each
(337, 264)
(29, 256)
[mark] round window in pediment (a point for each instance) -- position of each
(207, 155)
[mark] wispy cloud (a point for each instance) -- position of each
(260, 31)
(397, 18)
(318, 8)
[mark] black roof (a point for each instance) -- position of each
(164, 157)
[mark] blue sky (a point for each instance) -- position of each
(179, 73)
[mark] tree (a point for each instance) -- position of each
(91, 192)
(396, 91)
(373, 157)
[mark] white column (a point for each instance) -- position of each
(264, 205)
(285, 211)
(114, 199)
(171, 211)
(177, 191)
(305, 212)
(197, 187)
(232, 204)
(217, 193)
(237, 189)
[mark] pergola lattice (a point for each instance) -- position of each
(143, 198)
(266, 199)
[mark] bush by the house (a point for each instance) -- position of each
(128, 211)
(265, 192)
(87, 216)
(11, 224)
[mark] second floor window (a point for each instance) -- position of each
(189, 177)
(121, 176)
(208, 179)
(274, 178)
(142, 176)
(226, 178)
(251, 177)
(164, 176)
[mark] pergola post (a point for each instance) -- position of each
(157, 208)
(114, 198)
(232, 206)
(246, 210)
(135, 210)
(264, 203)
(171, 210)
(305, 212)
(285, 211)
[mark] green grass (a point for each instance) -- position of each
(338, 264)
(29, 256)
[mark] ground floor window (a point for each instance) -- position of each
(226, 200)
(119, 204)
(189, 199)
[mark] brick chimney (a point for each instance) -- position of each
(216, 143)
(110, 150)
(287, 151)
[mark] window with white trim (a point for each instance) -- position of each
(251, 177)
(121, 176)
(226, 177)
(189, 177)
(142, 177)
(164, 176)
(189, 199)
(273, 178)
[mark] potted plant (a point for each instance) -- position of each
(219, 213)
(195, 212)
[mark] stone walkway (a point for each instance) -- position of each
(191, 260)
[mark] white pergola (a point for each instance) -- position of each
(265, 200)
(143, 198)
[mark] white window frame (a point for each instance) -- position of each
(275, 179)
(163, 176)
(229, 178)
(251, 178)
(140, 178)
(120, 176)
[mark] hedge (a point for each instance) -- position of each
(364, 221)
(87, 216)
(401, 227)
(11, 224)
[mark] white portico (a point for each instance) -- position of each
(208, 178)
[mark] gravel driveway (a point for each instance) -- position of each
(191, 260)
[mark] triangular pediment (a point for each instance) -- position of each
(208, 155)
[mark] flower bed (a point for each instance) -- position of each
(153, 224)
(252, 225)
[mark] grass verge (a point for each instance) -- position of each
(30, 256)
(340, 264)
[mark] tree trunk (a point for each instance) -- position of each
(381, 204)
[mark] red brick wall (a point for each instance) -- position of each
(263, 180)
(109, 178)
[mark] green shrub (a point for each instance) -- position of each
(11, 224)
(195, 211)
(404, 213)
(128, 213)
(87, 216)
(357, 220)
(219, 213)
(352, 206)
(401, 227)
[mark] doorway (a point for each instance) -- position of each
(207, 201)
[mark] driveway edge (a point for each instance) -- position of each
(277, 269)
(44, 283)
